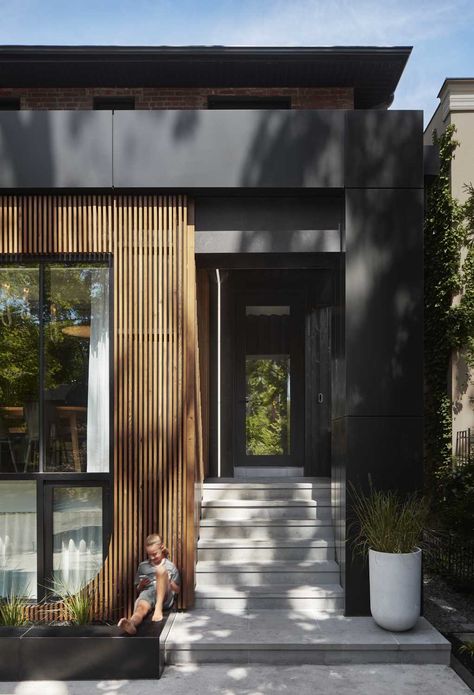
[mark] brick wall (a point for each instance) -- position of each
(170, 98)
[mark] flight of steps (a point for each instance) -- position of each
(267, 543)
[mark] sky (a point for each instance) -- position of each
(440, 31)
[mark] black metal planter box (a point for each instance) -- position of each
(71, 652)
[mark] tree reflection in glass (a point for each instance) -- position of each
(268, 405)
(19, 369)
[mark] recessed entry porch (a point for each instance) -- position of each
(266, 538)
(265, 358)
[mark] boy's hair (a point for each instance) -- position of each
(155, 539)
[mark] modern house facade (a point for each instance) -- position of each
(456, 108)
(211, 267)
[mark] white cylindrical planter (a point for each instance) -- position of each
(395, 589)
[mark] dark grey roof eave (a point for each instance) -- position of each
(373, 72)
(284, 51)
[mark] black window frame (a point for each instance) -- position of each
(46, 481)
(111, 103)
(216, 102)
(10, 104)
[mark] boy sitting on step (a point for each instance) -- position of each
(157, 581)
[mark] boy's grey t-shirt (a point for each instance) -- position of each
(146, 568)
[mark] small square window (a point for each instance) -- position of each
(218, 102)
(10, 104)
(114, 103)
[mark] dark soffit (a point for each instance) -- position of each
(372, 72)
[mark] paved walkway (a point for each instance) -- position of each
(297, 637)
(222, 679)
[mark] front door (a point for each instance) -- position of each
(270, 370)
(269, 378)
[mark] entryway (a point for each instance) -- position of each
(269, 371)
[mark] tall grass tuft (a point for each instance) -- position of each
(78, 604)
(387, 521)
(13, 611)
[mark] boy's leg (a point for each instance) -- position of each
(129, 625)
(162, 589)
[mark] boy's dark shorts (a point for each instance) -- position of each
(149, 595)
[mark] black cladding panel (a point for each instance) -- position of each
(384, 149)
(229, 149)
(55, 149)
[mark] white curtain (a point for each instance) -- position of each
(98, 389)
(18, 538)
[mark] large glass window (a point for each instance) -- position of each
(19, 369)
(76, 395)
(18, 552)
(54, 425)
(54, 369)
(77, 535)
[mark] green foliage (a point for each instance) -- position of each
(467, 648)
(267, 410)
(387, 521)
(448, 230)
(78, 605)
(12, 611)
(455, 498)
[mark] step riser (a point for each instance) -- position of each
(270, 579)
(278, 554)
(266, 494)
(328, 605)
(267, 533)
(298, 657)
(264, 513)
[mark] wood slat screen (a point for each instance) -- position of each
(156, 419)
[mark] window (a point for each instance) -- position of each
(54, 369)
(54, 424)
(18, 523)
(217, 102)
(114, 103)
(10, 104)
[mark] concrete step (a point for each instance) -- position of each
(266, 509)
(266, 491)
(280, 550)
(297, 637)
(273, 480)
(269, 574)
(268, 472)
(328, 598)
(213, 529)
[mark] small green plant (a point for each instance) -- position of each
(467, 648)
(78, 604)
(388, 522)
(13, 611)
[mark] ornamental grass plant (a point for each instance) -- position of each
(387, 521)
(78, 604)
(13, 611)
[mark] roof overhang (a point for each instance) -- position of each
(372, 72)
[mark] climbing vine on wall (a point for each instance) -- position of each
(448, 272)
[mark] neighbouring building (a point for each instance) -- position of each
(456, 107)
(211, 266)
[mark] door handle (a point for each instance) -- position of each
(320, 398)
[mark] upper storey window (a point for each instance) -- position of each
(114, 103)
(10, 104)
(224, 102)
(54, 368)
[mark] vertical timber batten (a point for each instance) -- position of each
(156, 459)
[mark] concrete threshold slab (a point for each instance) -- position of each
(297, 636)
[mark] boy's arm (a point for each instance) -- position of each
(175, 580)
(176, 588)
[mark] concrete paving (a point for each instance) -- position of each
(297, 637)
(227, 679)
